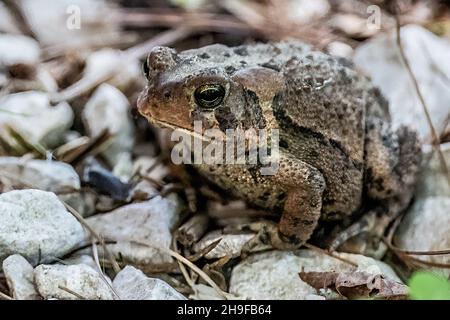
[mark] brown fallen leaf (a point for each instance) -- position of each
(357, 284)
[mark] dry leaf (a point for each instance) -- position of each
(357, 285)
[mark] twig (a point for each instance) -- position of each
(193, 229)
(429, 263)
(99, 268)
(200, 21)
(331, 254)
(80, 218)
(405, 255)
(79, 296)
(92, 147)
(158, 185)
(419, 253)
(185, 261)
(435, 136)
(97, 41)
(4, 296)
(186, 275)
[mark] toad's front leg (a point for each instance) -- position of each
(304, 187)
(302, 208)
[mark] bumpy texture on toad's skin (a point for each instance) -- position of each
(337, 147)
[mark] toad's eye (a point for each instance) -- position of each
(209, 96)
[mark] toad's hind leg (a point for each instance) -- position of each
(304, 187)
(392, 164)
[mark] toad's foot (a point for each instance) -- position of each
(266, 234)
(363, 236)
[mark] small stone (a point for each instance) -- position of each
(31, 115)
(426, 227)
(204, 292)
(40, 174)
(80, 259)
(304, 11)
(36, 225)
(230, 244)
(108, 109)
(82, 280)
(133, 284)
(124, 167)
(18, 49)
(340, 49)
(111, 61)
(20, 278)
(148, 222)
(45, 80)
(353, 25)
(432, 181)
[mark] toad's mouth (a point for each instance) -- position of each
(176, 127)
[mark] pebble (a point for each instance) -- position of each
(71, 282)
(133, 284)
(19, 275)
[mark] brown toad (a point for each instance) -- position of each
(339, 156)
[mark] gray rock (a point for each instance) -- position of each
(31, 114)
(133, 284)
(40, 174)
(147, 222)
(80, 259)
(109, 109)
(36, 225)
(20, 278)
(426, 225)
(432, 181)
(274, 274)
(229, 245)
(80, 279)
(204, 292)
(428, 56)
